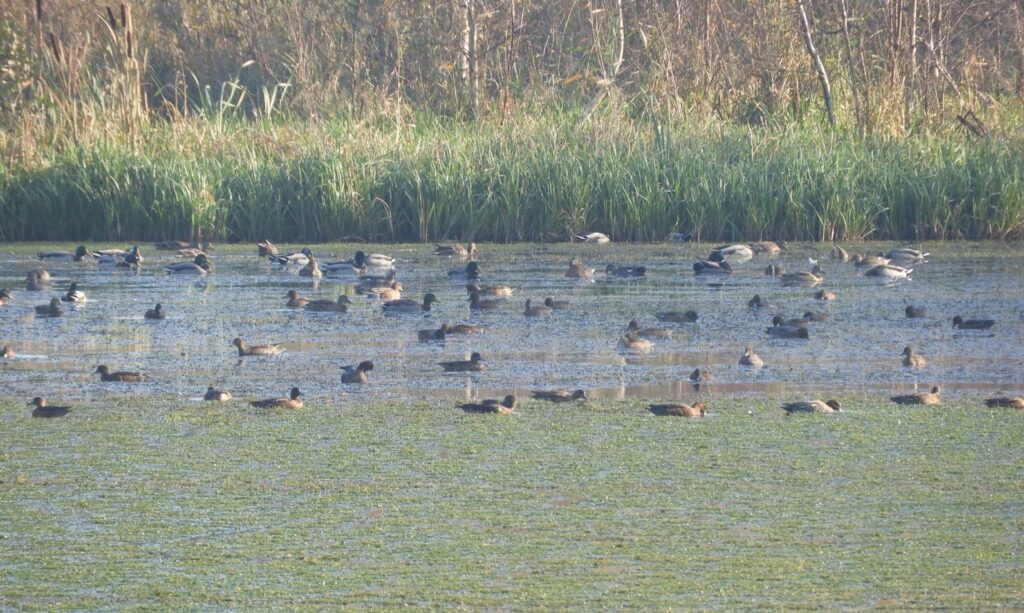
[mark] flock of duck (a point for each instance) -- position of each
(375, 275)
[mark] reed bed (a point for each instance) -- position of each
(529, 179)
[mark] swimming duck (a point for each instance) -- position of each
(44, 410)
(812, 406)
(905, 255)
(742, 252)
(678, 410)
(78, 255)
(469, 272)
(751, 359)
(779, 320)
(293, 401)
(131, 259)
(347, 268)
(625, 271)
(634, 327)
(476, 302)
(559, 396)
(474, 363)
(679, 317)
(128, 377)
(784, 331)
(926, 398)
(700, 375)
(503, 407)
(265, 248)
(156, 312)
(557, 305)
(578, 271)
(802, 277)
(1013, 402)
(426, 336)
(912, 359)
(594, 237)
(50, 310)
(824, 294)
(296, 301)
(757, 302)
(357, 373)
(772, 248)
(74, 294)
(295, 258)
(244, 349)
(816, 317)
(216, 395)
(889, 271)
(972, 324)
(373, 260)
(633, 342)
(392, 291)
(914, 312)
(192, 252)
(838, 253)
(456, 251)
(5, 297)
(36, 283)
(407, 305)
(201, 266)
(174, 245)
(775, 270)
(496, 291)
(7, 352)
(311, 269)
(709, 267)
(869, 261)
(461, 329)
(332, 306)
(537, 310)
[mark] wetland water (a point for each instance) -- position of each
(856, 353)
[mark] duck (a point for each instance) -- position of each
(311, 269)
(244, 349)
(50, 310)
(679, 317)
(838, 253)
(905, 255)
(634, 327)
(265, 248)
(757, 302)
(972, 324)
(44, 410)
(476, 302)
(295, 258)
(74, 294)
(710, 267)
(802, 277)
(495, 291)
(633, 342)
(914, 312)
(775, 270)
(536, 310)
(556, 305)
(157, 312)
(174, 245)
(347, 268)
(7, 352)
(742, 252)
(594, 237)
(407, 305)
(812, 406)
(357, 373)
(625, 271)
(779, 320)
(578, 271)
(130, 259)
(5, 296)
(912, 359)
(462, 329)
(373, 260)
(192, 252)
(124, 376)
(474, 363)
(333, 306)
(889, 271)
(772, 248)
(750, 358)
(1013, 402)
(79, 254)
(216, 395)
(504, 407)
(815, 316)
(861, 261)
(926, 398)
(559, 396)
(392, 291)
(678, 410)
(785, 331)
(701, 375)
(426, 336)
(469, 272)
(293, 401)
(824, 294)
(295, 301)
(35, 282)
(456, 251)
(200, 265)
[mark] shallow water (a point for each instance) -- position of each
(857, 352)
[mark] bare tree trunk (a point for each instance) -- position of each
(469, 62)
(855, 85)
(819, 67)
(908, 98)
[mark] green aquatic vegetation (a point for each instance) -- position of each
(164, 503)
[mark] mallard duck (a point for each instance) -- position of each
(838, 253)
(476, 302)
(812, 406)
(35, 282)
(700, 375)
(357, 373)
(156, 312)
(265, 248)
(504, 407)
(557, 305)
(77, 255)
(311, 269)
(293, 401)
(742, 252)
(393, 291)
(124, 376)
(816, 317)
(44, 410)
(802, 277)
(462, 329)
(679, 317)
(889, 271)
(634, 327)
(905, 255)
(634, 343)
(347, 268)
(625, 271)
(74, 294)
(244, 349)
(7, 352)
(709, 267)
(1013, 402)
(779, 320)
(407, 305)
(775, 270)
(494, 291)
(536, 310)
(295, 258)
(216, 395)
(174, 245)
(751, 359)
(757, 302)
(426, 336)
(824, 294)
(784, 331)
(972, 324)
(578, 271)
(373, 260)
(469, 272)
(770, 247)
(50, 310)
(5, 297)
(869, 261)
(296, 301)
(559, 396)
(914, 312)
(927, 398)
(474, 363)
(678, 410)
(201, 266)
(594, 237)
(912, 359)
(130, 259)
(333, 306)
(191, 252)
(456, 251)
